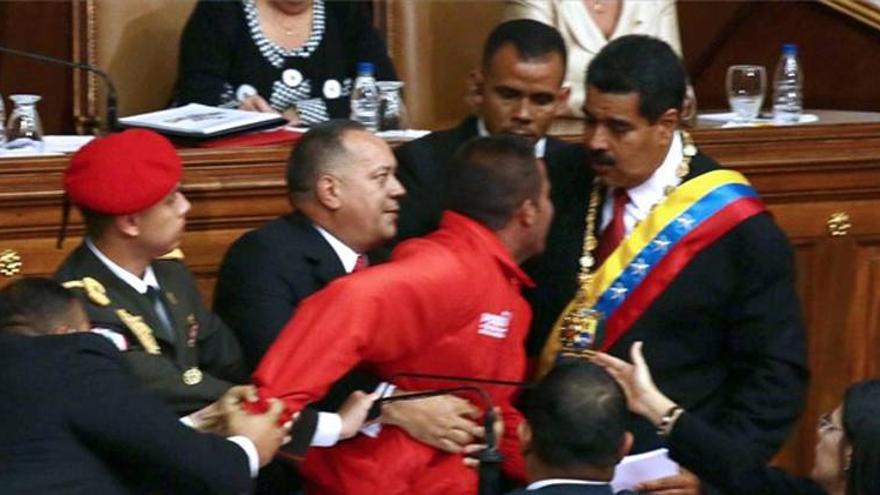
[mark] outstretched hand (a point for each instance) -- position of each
(642, 395)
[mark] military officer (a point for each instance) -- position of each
(127, 186)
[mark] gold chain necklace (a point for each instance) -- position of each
(580, 321)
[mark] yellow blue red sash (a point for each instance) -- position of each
(691, 218)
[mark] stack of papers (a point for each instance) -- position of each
(202, 121)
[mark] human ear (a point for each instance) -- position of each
(327, 192)
(129, 225)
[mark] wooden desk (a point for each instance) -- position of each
(821, 181)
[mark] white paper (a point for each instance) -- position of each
(634, 469)
(65, 144)
(197, 119)
(729, 119)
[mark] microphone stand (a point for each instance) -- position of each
(490, 458)
(111, 116)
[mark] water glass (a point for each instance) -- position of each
(392, 112)
(24, 129)
(745, 90)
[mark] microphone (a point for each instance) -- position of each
(490, 458)
(111, 116)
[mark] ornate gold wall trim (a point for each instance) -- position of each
(867, 11)
(85, 106)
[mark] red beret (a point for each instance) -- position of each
(123, 173)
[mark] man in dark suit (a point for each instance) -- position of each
(517, 90)
(571, 446)
(341, 183)
(667, 248)
(73, 421)
(127, 186)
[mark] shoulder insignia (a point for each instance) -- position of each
(141, 331)
(93, 289)
(174, 254)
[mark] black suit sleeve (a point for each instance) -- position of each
(768, 378)
(421, 207)
(715, 459)
(206, 43)
(119, 421)
(253, 296)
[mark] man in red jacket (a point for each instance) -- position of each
(448, 304)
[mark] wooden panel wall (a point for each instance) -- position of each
(840, 55)
(43, 27)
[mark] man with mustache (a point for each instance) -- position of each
(517, 90)
(654, 242)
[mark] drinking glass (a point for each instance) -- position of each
(745, 90)
(24, 128)
(392, 112)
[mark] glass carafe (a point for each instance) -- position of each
(392, 112)
(24, 129)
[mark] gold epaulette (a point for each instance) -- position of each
(174, 254)
(93, 289)
(141, 331)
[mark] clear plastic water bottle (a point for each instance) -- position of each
(787, 87)
(365, 97)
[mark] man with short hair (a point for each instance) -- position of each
(72, 419)
(665, 247)
(40, 306)
(518, 90)
(341, 183)
(574, 432)
(127, 186)
(448, 303)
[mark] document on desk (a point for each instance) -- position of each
(634, 469)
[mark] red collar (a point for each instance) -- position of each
(469, 227)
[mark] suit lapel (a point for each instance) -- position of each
(325, 264)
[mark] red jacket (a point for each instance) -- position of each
(449, 304)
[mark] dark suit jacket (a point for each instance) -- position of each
(725, 339)
(217, 354)
(265, 275)
(72, 420)
(715, 459)
(422, 167)
(571, 489)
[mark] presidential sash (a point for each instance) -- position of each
(690, 219)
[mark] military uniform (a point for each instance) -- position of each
(193, 367)
(176, 347)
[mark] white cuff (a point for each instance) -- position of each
(250, 450)
(328, 430)
(373, 429)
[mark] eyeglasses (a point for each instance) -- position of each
(826, 425)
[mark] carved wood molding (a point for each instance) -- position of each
(866, 11)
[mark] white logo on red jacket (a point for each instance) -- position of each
(496, 326)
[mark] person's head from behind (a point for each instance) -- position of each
(342, 177)
(575, 424)
(40, 306)
(848, 447)
(127, 186)
(519, 84)
(635, 86)
(498, 182)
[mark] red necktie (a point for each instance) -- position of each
(615, 231)
(360, 264)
